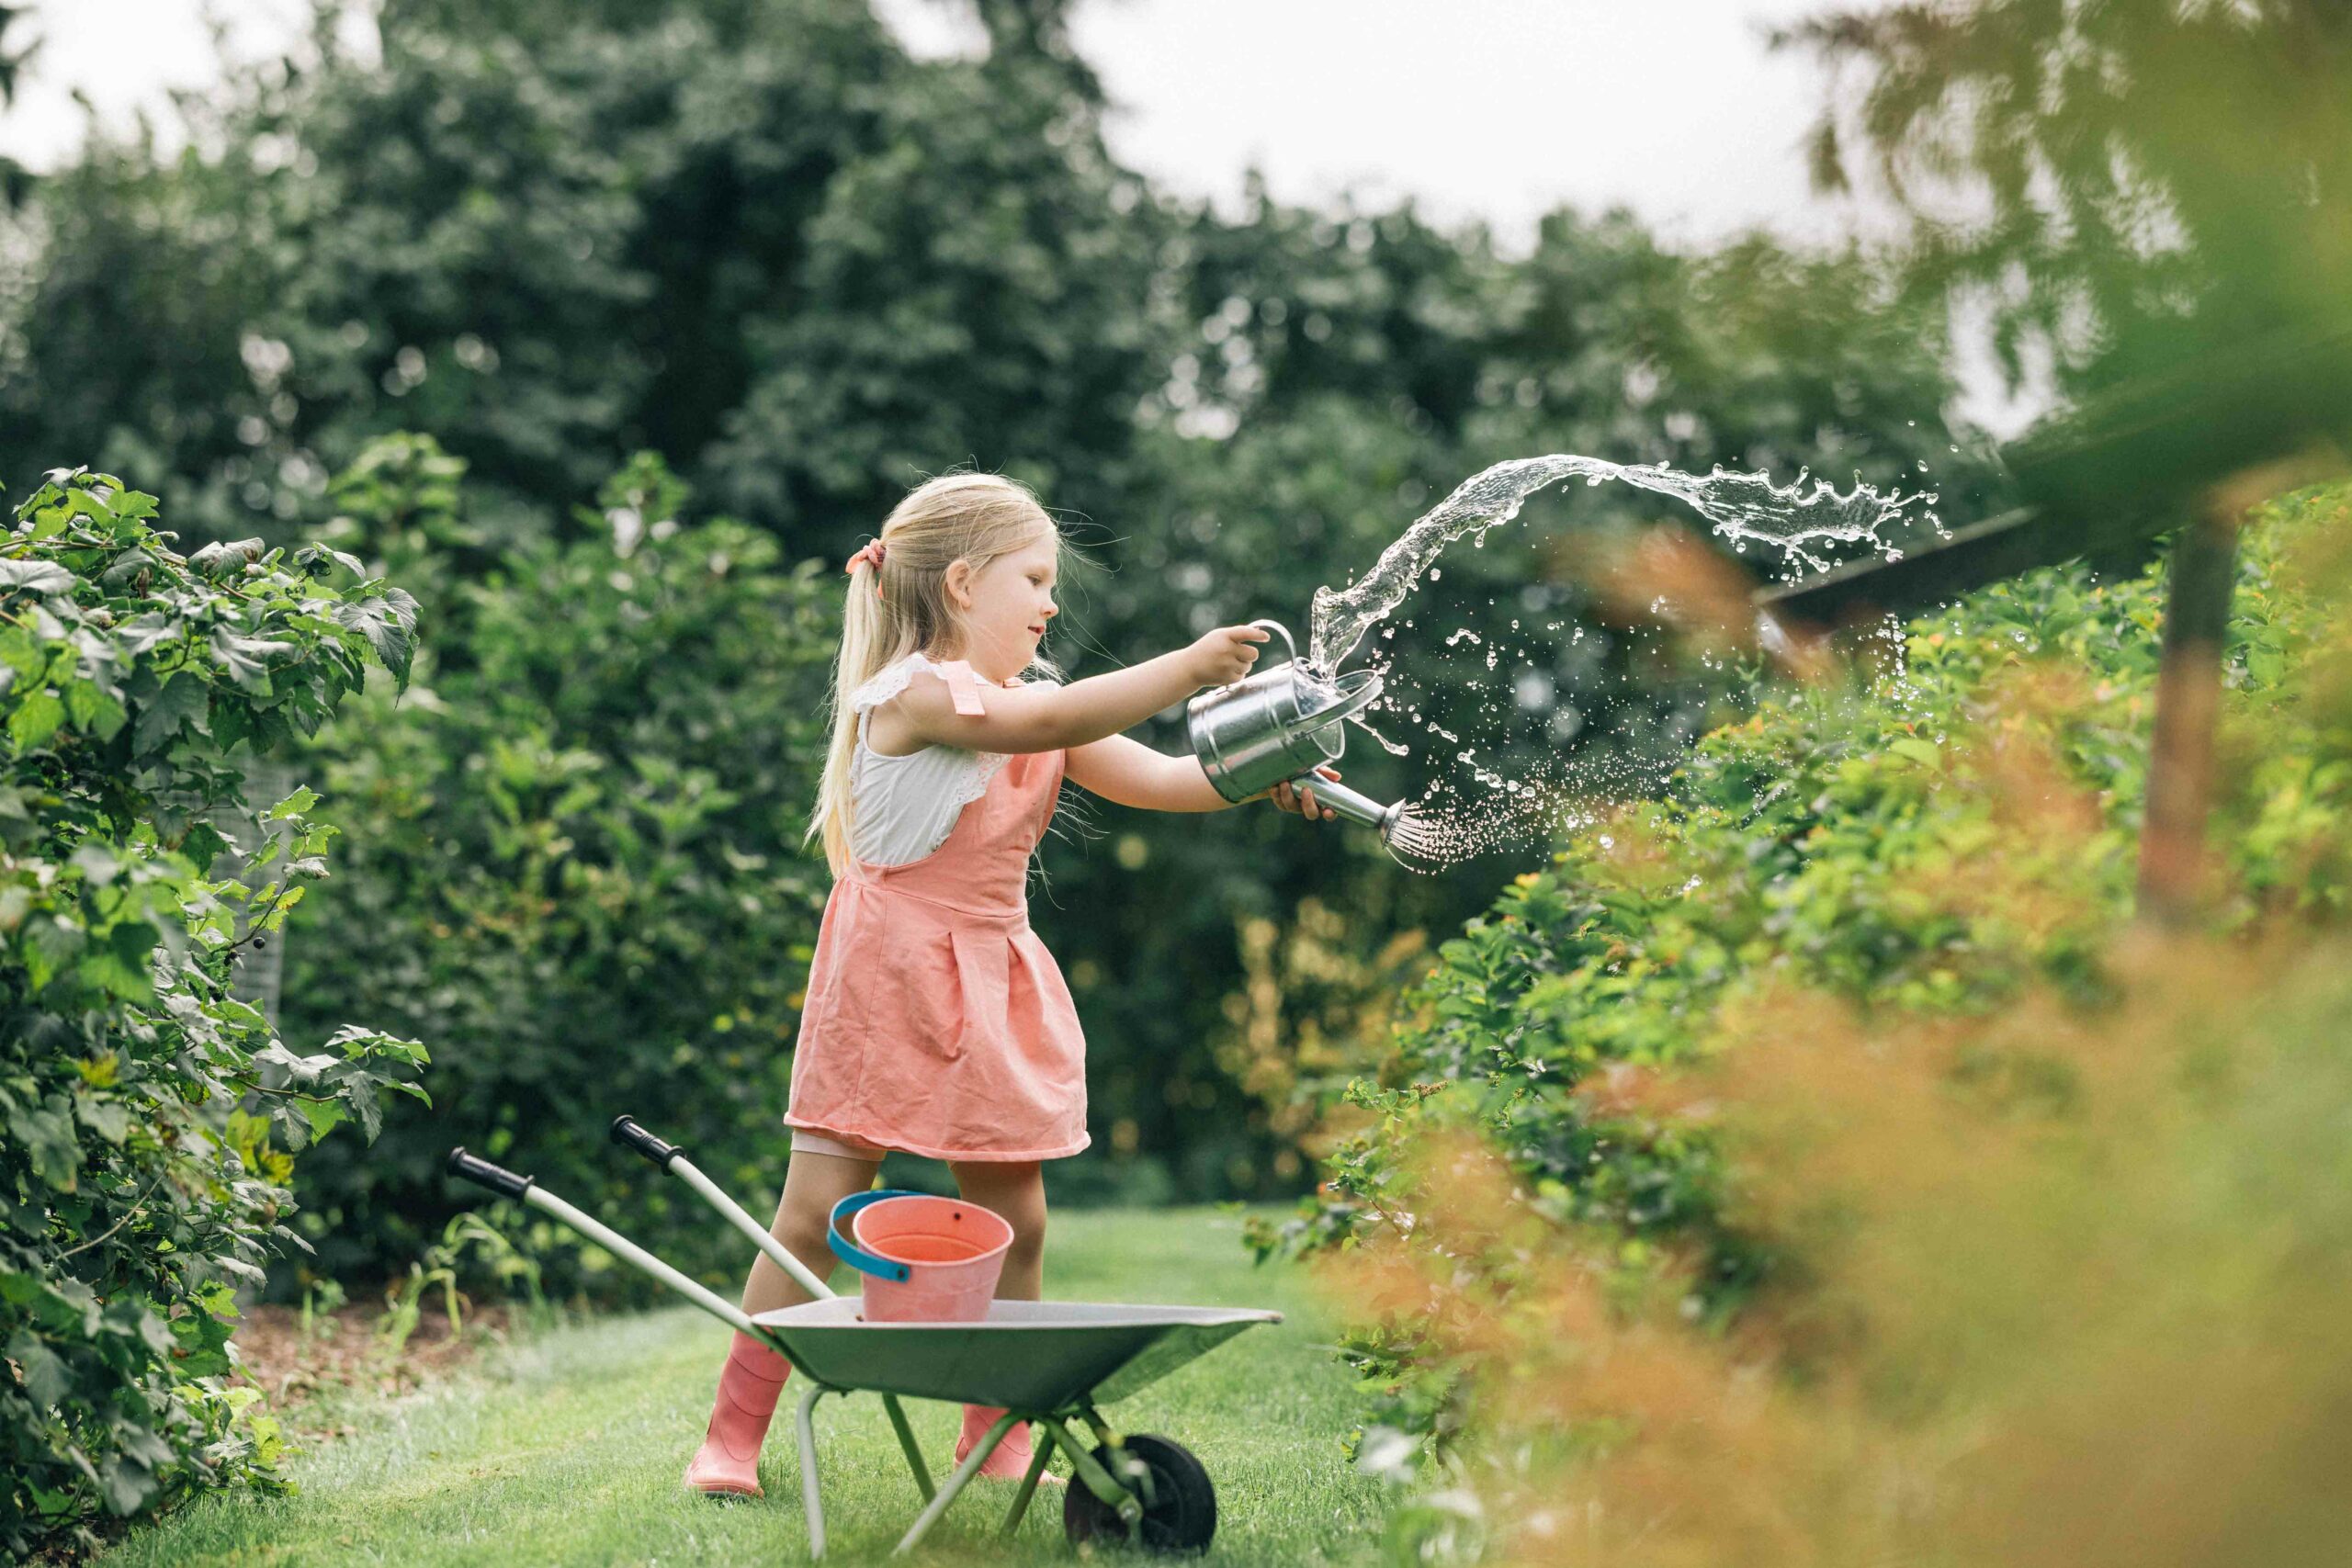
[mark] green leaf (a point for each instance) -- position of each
(21, 651)
(204, 844)
(125, 1485)
(46, 1133)
(388, 620)
(110, 1119)
(323, 1116)
(123, 966)
(1924, 752)
(294, 805)
(97, 862)
(35, 576)
(245, 659)
(231, 724)
(46, 1378)
(49, 946)
(94, 709)
(158, 722)
(36, 720)
(90, 504)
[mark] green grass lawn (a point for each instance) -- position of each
(567, 1449)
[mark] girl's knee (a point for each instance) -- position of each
(1019, 1196)
(1028, 1227)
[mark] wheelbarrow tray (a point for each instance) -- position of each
(1025, 1356)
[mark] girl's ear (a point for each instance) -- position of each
(958, 581)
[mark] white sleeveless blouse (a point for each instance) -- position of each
(901, 808)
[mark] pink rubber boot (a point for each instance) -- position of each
(728, 1463)
(1010, 1459)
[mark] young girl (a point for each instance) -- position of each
(935, 1021)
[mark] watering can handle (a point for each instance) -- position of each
(849, 1251)
(1278, 626)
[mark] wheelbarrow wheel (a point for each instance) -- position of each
(1180, 1518)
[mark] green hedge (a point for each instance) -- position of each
(575, 860)
(148, 1118)
(1841, 840)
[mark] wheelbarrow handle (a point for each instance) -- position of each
(849, 1251)
(481, 1173)
(629, 1135)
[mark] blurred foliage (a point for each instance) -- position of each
(575, 858)
(148, 1116)
(16, 53)
(756, 237)
(1877, 930)
(2132, 185)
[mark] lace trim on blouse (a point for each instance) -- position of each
(958, 776)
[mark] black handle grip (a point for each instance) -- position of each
(629, 1135)
(481, 1173)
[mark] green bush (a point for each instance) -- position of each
(576, 850)
(1931, 843)
(148, 1118)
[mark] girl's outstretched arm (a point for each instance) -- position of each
(1128, 773)
(1052, 718)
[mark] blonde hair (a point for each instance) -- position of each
(903, 607)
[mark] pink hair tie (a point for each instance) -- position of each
(872, 556)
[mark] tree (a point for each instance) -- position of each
(757, 238)
(2134, 185)
(148, 1117)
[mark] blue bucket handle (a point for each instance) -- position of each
(849, 1251)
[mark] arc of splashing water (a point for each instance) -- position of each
(1803, 517)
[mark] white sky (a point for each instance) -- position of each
(1492, 108)
(1495, 110)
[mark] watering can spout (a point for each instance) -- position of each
(1354, 807)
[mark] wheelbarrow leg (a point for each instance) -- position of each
(1029, 1481)
(805, 1425)
(906, 1442)
(956, 1482)
(1089, 1473)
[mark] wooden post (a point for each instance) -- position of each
(2189, 702)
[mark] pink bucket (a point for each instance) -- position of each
(926, 1259)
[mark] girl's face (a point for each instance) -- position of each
(1005, 606)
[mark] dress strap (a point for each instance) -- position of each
(964, 683)
(963, 686)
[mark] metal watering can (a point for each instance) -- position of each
(1279, 726)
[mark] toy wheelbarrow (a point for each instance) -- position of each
(1053, 1364)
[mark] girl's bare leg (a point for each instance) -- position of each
(1017, 1192)
(813, 1183)
(753, 1377)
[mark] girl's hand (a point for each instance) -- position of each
(1303, 801)
(1224, 656)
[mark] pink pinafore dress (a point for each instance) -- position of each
(936, 1021)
